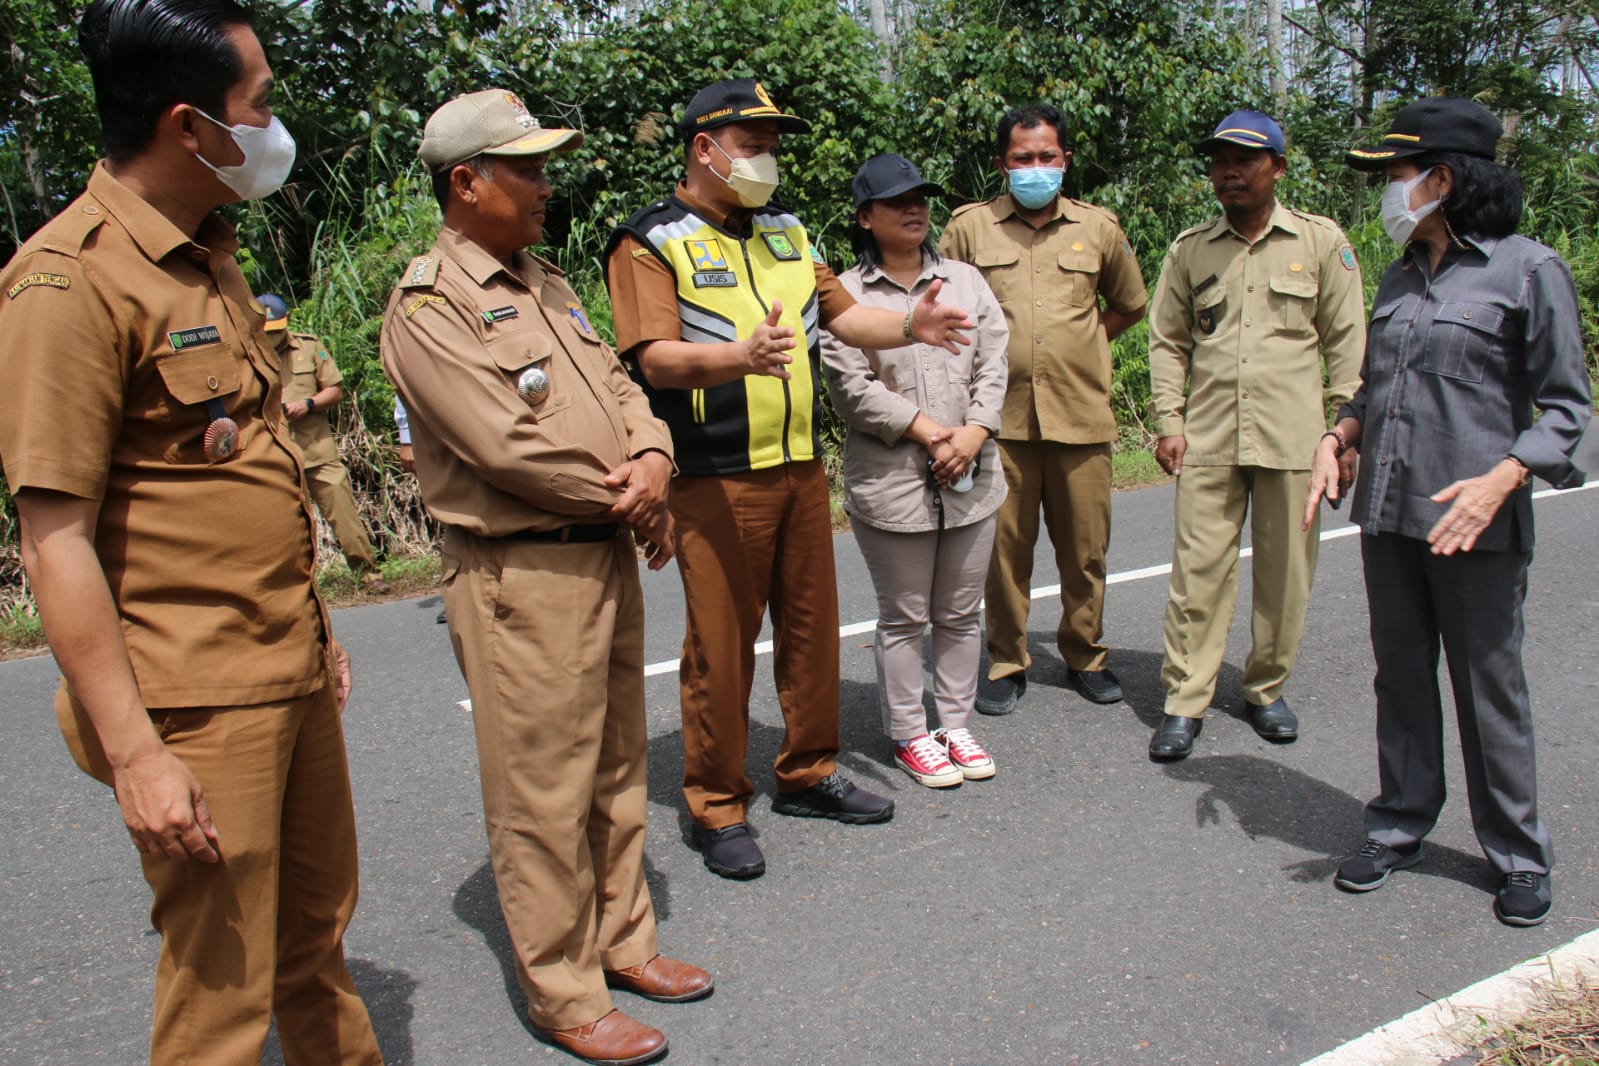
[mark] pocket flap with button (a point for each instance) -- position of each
(198, 376)
(1480, 317)
(1293, 285)
(1078, 262)
(1382, 311)
(1213, 295)
(520, 350)
(994, 257)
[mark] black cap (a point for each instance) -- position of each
(722, 103)
(884, 177)
(1437, 124)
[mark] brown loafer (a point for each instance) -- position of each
(614, 1040)
(662, 979)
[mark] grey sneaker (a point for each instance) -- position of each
(1524, 898)
(835, 796)
(1368, 868)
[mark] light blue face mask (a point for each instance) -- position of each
(1033, 187)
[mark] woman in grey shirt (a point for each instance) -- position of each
(1472, 330)
(922, 480)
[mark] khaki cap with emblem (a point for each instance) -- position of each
(490, 122)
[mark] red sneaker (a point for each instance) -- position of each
(965, 753)
(925, 761)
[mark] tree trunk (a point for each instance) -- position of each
(1274, 48)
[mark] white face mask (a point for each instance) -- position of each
(1397, 217)
(753, 179)
(268, 158)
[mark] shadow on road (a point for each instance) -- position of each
(1276, 801)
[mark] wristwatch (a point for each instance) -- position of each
(310, 404)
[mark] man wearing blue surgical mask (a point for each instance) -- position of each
(1069, 284)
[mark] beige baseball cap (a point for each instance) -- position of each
(491, 122)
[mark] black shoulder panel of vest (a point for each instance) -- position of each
(638, 224)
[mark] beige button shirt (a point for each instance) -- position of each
(118, 334)
(460, 331)
(1238, 334)
(307, 369)
(880, 393)
(1050, 282)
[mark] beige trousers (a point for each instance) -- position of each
(330, 488)
(550, 639)
(1212, 502)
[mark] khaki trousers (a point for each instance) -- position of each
(745, 541)
(550, 639)
(1212, 502)
(260, 932)
(1071, 484)
(330, 488)
(933, 578)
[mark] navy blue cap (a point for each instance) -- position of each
(884, 177)
(277, 312)
(1248, 128)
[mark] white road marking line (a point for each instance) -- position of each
(667, 666)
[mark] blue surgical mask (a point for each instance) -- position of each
(1035, 187)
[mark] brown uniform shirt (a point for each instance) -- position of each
(460, 331)
(644, 293)
(1238, 335)
(307, 369)
(1049, 282)
(115, 331)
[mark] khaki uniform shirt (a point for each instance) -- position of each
(307, 369)
(1243, 330)
(1050, 281)
(461, 330)
(115, 330)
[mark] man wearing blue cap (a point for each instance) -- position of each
(1248, 308)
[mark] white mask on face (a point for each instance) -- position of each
(1397, 217)
(753, 179)
(268, 158)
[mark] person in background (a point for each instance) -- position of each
(1473, 382)
(921, 477)
(312, 385)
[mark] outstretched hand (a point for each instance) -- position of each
(940, 324)
(766, 350)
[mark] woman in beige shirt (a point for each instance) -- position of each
(922, 481)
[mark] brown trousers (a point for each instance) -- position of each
(1071, 483)
(330, 488)
(745, 541)
(550, 639)
(260, 932)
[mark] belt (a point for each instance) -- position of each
(569, 534)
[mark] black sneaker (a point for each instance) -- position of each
(1524, 898)
(835, 797)
(1368, 868)
(730, 851)
(1000, 695)
(1096, 686)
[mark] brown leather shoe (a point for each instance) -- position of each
(662, 979)
(614, 1040)
(373, 581)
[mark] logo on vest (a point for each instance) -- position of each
(706, 255)
(781, 247)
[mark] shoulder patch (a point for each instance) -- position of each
(1346, 256)
(28, 281)
(816, 255)
(421, 273)
(422, 301)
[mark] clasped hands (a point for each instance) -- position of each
(645, 482)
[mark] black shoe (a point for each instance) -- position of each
(1174, 737)
(1369, 867)
(1524, 898)
(835, 797)
(730, 851)
(1000, 695)
(1096, 686)
(1275, 721)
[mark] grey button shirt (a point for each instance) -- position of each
(1455, 365)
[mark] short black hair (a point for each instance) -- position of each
(1028, 117)
(1487, 199)
(146, 55)
(482, 166)
(868, 255)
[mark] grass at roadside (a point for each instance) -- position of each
(21, 632)
(1561, 1030)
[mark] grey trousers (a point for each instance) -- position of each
(921, 578)
(1471, 602)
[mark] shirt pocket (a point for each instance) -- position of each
(518, 355)
(193, 379)
(1385, 335)
(1463, 338)
(1002, 267)
(1080, 275)
(1293, 302)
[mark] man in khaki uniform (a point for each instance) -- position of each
(168, 545)
(1248, 308)
(540, 458)
(312, 384)
(1050, 261)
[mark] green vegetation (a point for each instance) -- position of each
(1140, 80)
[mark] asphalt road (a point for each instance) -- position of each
(1084, 906)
